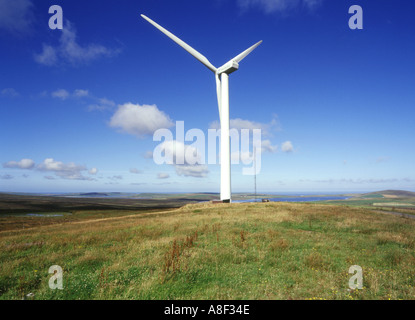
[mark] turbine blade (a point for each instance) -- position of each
(218, 92)
(184, 45)
(242, 55)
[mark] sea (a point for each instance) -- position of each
(284, 197)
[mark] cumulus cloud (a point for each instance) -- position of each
(186, 159)
(22, 164)
(70, 51)
(267, 146)
(16, 16)
(287, 146)
(176, 152)
(139, 120)
(70, 171)
(163, 175)
(271, 6)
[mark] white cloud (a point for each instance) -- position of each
(75, 53)
(51, 165)
(61, 94)
(240, 124)
(9, 92)
(135, 171)
(116, 178)
(48, 56)
(79, 93)
(163, 175)
(266, 146)
(148, 155)
(196, 171)
(22, 164)
(270, 6)
(16, 16)
(65, 94)
(186, 159)
(312, 4)
(69, 171)
(176, 152)
(102, 104)
(287, 146)
(70, 51)
(244, 157)
(139, 120)
(266, 130)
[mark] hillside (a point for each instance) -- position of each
(204, 251)
(394, 193)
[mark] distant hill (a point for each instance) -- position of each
(396, 193)
(94, 194)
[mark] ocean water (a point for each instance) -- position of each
(43, 215)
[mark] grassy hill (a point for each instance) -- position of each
(204, 251)
(394, 193)
(397, 201)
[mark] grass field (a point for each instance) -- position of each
(204, 251)
(396, 201)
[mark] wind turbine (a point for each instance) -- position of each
(222, 90)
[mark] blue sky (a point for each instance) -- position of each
(78, 106)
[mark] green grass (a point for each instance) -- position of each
(397, 205)
(238, 251)
(371, 196)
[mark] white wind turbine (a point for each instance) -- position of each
(222, 90)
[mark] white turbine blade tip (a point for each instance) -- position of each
(242, 55)
(183, 44)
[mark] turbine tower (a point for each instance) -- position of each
(222, 90)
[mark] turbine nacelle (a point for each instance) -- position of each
(228, 67)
